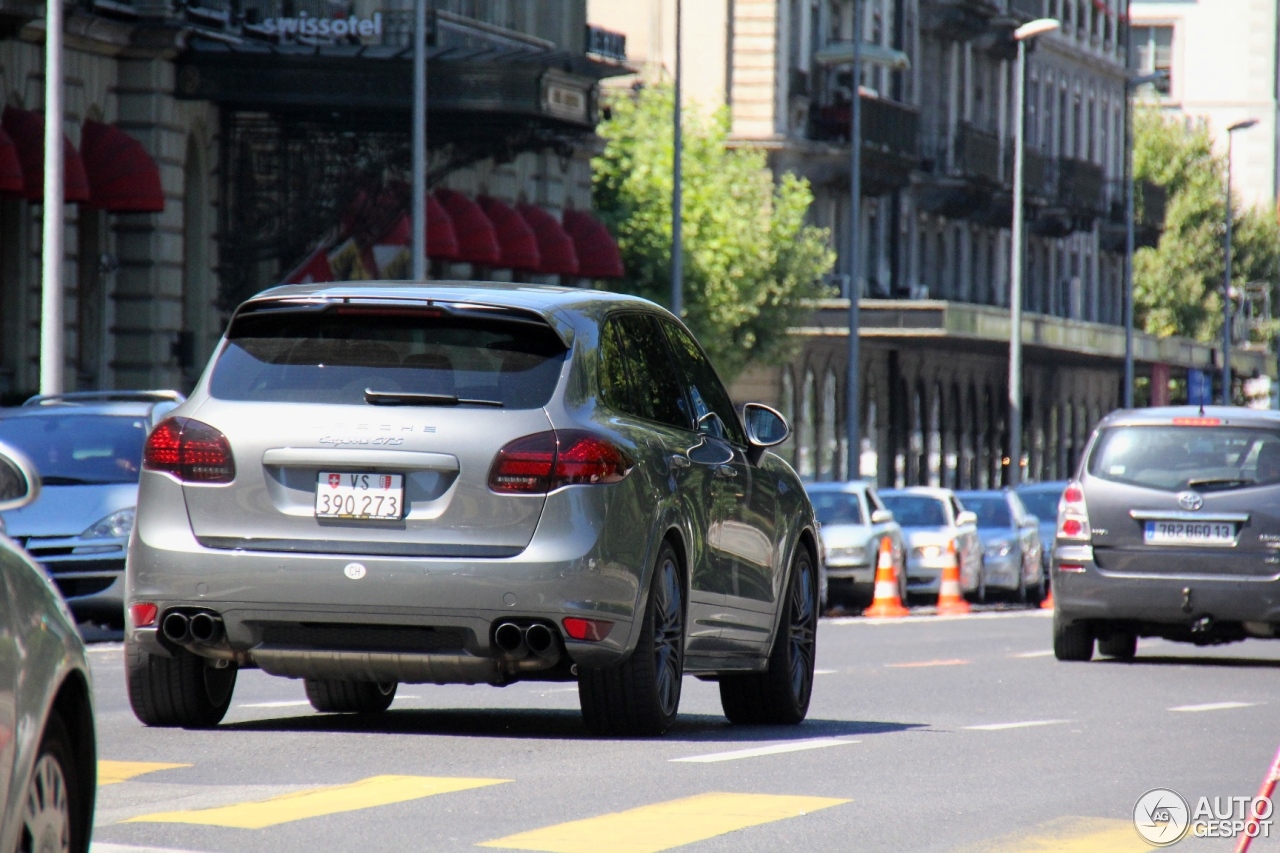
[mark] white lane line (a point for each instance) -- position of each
(103, 847)
(1043, 653)
(907, 620)
(999, 727)
(290, 704)
(825, 671)
(773, 749)
(1214, 706)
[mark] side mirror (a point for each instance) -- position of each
(765, 426)
(966, 518)
(881, 516)
(19, 482)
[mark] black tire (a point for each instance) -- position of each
(55, 811)
(1022, 583)
(184, 690)
(350, 697)
(641, 696)
(1121, 645)
(1072, 641)
(780, 695)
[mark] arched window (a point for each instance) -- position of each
(827, 429)
(807, 431)
(787, 405)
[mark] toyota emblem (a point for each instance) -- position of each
(1190, 500)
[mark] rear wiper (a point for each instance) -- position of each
(409, 398)
(1219, 483)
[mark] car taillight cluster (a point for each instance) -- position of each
(545, 461)
(192, 451)
(1073, 515)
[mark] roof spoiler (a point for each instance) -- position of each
(106, 397)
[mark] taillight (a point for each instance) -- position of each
(1073, 515)
(541, 463)
(143, 614)
(592, 630)
(189, 450)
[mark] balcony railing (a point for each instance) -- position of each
(886, 125)
(1080, 187)
(977, 154)
(958, 19)
(1029, 9)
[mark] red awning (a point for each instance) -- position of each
(11, 180)
(598, 255)
(26, 129)
(519, 246)
(554, 244)
(477, 242)
(122, 176)
(442, 240)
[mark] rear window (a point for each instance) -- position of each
(335, 355)
(916, 510)
(76, 450)
(836, 507)
(1173, 458)
(991, 511)
(1042, 504)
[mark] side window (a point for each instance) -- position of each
(659, 395)
(956, 508)
(615, 378)
(874, 499)
(706, 392)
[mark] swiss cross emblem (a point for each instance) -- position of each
(334, 480)
(386, 482)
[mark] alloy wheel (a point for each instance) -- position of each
(668, 633)
(802, 630)
(46, 815)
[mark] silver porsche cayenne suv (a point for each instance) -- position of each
(377, 483)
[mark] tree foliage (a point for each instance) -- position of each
(750, 261)
(1178, 284)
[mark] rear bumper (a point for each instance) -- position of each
(1002, 572)
(93, 588)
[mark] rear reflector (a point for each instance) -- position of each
(541, 463)
(192, 451)
(1196, 421)
(1071, 568)
(592, 630)
(142, 614)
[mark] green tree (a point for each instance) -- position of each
(750, 261)
(1178, 284)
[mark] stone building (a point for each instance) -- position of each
(934, 221)
(276, 137)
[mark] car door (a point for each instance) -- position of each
(886, 528)
(1027, 531)
(9, 655)
(745, 498)
(968, 542)
(650, 399)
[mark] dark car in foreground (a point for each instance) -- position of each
(377, 483)
(48, 766)
(1171, 528)
(87, 446)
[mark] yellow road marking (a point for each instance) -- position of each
(374, 791)
(111, 772)
(1068, 835)
(662, 826)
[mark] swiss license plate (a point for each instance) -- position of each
(1190, 533)
(359, 495)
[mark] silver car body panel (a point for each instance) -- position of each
(924, 574)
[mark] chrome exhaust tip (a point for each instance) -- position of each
(205, 628)
(176, 628)
(510, 640)
(540, 640)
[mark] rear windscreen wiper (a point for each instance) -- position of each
(410, 398)
(1219, 483)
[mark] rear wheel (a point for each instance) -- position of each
(54, 806)
(1072, 641)
(780, 695)
(350, 697)
(185, 690)
(642, 695)
(1121, 645)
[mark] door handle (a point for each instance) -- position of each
(679, 460)
(726, 471)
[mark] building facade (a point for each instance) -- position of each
(934, 222)
(1221, 57)
(276, 134)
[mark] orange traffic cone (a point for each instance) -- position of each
(886, 602)
(950, 600)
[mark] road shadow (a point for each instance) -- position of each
(543, 724)
(1178, 660)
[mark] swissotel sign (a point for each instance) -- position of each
(312, 27)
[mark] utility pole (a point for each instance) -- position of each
(51, 255)
(853, 372)
(419, 241)
(677, 191)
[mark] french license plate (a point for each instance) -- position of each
(1190, 533)
(350, 495)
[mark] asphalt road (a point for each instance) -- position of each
(925, 734)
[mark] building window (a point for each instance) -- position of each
(1152, 52)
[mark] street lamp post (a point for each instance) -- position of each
(51, 329)
(1226, 271)
(1022, 35)
(677, 191)
(853, 377)
(418, 244)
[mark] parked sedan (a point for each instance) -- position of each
(1011, 555)
(1041, 500)
(854, 521)
(48, 762)
(934, 520)
(87, 446)
(378, 483)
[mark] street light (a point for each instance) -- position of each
(677, 191)
(52, 355)
(1021, 35)
(1226, 273)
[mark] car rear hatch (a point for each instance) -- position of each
(393, 409)
(1197, 496)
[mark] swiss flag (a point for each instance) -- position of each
(334, 480)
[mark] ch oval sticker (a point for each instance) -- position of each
(355, 571)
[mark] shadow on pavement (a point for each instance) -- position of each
(1171, 660)
(553, 724)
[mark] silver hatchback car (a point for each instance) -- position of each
(378, 483)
